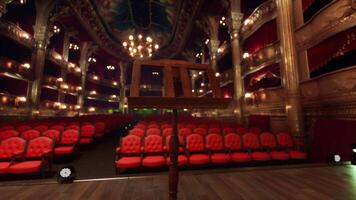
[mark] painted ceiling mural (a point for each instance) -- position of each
(154, 18)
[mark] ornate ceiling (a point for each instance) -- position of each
(154, 18)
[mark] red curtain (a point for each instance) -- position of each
(332, 137)
(330, 48)
(265, 35)
(307, 3)
(266, 77)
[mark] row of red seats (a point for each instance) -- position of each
(187, 131)
(191, 125)
(195, 149)
(19, 156)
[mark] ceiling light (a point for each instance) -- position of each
(156, 46)
(202, 84)
(245, 55)
(131, 37)
(139, 36)
(200, 73)
(114, 83)
(217, 74)
(124, 44)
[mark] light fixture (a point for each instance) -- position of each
(92, 60)
(56, 29)
(194, 75)
(24, 35)
(93, 92)
(201, 91)
(248, 95)
(113, 96)
(217, 74)
(245, 55)
(91, 109)
(193, 90)
(66, 174)
(77, 107)
(25, 65)
(20, 99)
(353, 154)
(110, 67)
(95, 77)
(247, 21)
(202, 84)
(79, 88)
(155, 73)
(185, 110)
(200, 73)
(207, 41)
(138, 47)
(222, 21)
(114, 83)
(336, 159)
(125, 106)
(71, 65)
(73, 46)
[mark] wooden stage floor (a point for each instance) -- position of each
(303, 182)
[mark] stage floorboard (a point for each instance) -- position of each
(278, 182)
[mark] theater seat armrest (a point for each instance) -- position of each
(165, 148)
(118, 149)
(142, 149)
(47, 153)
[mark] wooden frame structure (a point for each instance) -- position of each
(170, 101)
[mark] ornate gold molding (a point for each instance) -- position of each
(334, 18)
(10, 30)
(267, 55)
(262, 14)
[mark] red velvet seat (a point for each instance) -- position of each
(285, 141)
(167, 131)
(140, 126)
(87, 134)
(214, 130)
(68, 141)
(203, 125)
(8, 134)
(41, 128)
(182, 158)
(190, 126)
(196, 150)
(153, 150)
(58, 127)
(214, 144)
(250, 141)
(23, 128)
(73, 126)
(54, 134)
(10, 149)
(268, 141)
(129, 152)
(233, 143)
(100, 129)
(153, 131)
(5, 127)
(165, 126)
(184, 132)
(241, 130)
(228, 130)
(137, 132)
(37, 157)
(154, 125)
(30, 134)
(200, 131)
(255, 130)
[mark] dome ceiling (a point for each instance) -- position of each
(154, 18)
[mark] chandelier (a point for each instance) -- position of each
(140, 47)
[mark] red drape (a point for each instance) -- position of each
(265, 35)
(266, 77)
(332, 137)
(330, 48)
(307, 3)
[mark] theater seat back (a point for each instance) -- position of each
(268, 140)
(233, 141)
(69, 137)
(153, 144)
(73, 126)
(87, 130)
(57, 127)
(214, 130)
(250, 141)
(195, 143)
(130, 144)
(12, 146)
(41, 128)
(168, 142)
(23, 128)
(137, 132)
(214, 142)
(184, 132)
(38, 147)
(228, 130)
(30, 134)
(54, 134)
(285, 140)
(167, 131)
(241, 130)
(8, 134)
(153, 131)
(255, 130)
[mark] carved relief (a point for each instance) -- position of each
(336, 17)
(262, 14)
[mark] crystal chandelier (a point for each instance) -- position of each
(140, 47)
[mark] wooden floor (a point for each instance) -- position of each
(296, 182)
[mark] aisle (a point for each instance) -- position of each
(98, 160)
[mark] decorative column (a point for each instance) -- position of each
(3, 4)
(122, 87)
(289, 69)
(41, 33)
(214, 41)
(65, 55)
(83, 64)
(235, 25)
(303, 67)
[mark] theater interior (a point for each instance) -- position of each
(178, 99)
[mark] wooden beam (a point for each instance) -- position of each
(168, 82)
(135, 80)
(184, 77)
